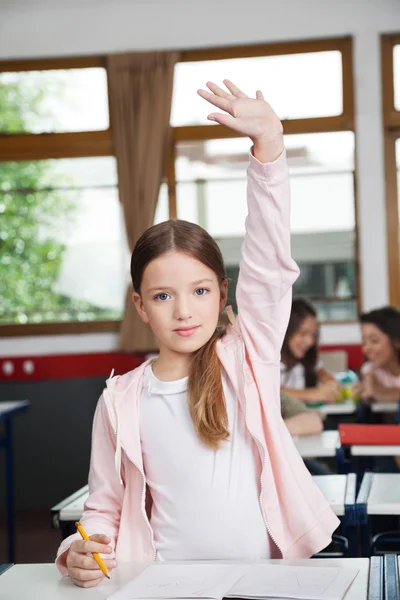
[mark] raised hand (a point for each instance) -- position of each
(252, 117)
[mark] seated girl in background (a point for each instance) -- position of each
(380, 375)
(302, 373)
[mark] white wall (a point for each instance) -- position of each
(34, 28)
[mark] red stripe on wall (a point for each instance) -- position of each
(71, 366)
(67, 366)
(355, 357)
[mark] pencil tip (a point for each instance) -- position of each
(108, 577)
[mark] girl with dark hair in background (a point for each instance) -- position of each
(380, 374)
(302, 373)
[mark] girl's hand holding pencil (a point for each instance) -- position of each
(252, 117)
(85, 567)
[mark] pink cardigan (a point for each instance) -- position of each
(298, 517)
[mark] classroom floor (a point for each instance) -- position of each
(36, 542)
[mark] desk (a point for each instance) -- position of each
(68, 511)
(9, 410)
(338, 490)
(380, 450)
(320, 445)
(384, 407)
(338, 408)
(45, 582)
(379, 494)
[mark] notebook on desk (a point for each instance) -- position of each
(352, 434)
(214, 581)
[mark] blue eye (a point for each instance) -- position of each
(163, 296)
(201, 292)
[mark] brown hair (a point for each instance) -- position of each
(206, 395)
(301, 309)
(387, 319)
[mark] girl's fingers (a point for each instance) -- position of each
(86, 574)
(218, 91)
(222, 119)
(83, 561)
(88, 582)
(84, 546)
(259, 95)
(221, 103)
(234, 90)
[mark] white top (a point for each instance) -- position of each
(206, 503)
(383, 377)
(295, 378)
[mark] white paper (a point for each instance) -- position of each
(190, 580)
(267, 581)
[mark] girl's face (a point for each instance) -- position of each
(304, 337)
(181, 299)
(377, 346)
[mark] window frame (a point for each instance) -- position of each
(391, 126)
(42, 146)
(342, 122)
(28, 146)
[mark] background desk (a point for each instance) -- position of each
(339, 491)
(44, 581)
(9, 410)
(320, 445)
(379, 495)
(338, 408)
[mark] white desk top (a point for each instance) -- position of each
(319, 445)
(13, 405)
(45, 582)
(384, 496)
(74, 510)
(384, 407)
(339, 408)
(375, 450)
(333, 488)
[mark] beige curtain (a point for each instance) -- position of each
(140, 92)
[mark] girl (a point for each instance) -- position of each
(381, 345)
(301, 370)
(190, 456)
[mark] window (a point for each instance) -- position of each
(209, 167)
(300, 86)
(58, 183)
(53, 101)
(391, 116)
(62, 234)
(211, 191)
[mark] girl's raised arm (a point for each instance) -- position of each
(267, 270)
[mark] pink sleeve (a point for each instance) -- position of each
(267, 270)
(103, 507)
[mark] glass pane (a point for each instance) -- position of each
(162, 211)
(296, 85)
(54, 101)
(63, 249)
(396, 75)
(211, 191)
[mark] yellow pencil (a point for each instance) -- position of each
(95, 554)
